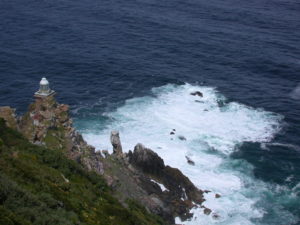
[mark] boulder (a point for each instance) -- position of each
(217, 196)
(207, 211)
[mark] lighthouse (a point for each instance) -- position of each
(44, 90)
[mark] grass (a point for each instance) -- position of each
(42, 186)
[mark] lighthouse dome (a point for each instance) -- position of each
(44, 81)
(44, 90)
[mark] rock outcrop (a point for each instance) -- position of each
(8, 114)
(179, 186)
(48, 123)
(143, 176)
(147, 160)
(116, 143)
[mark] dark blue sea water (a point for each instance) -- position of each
(112, 59)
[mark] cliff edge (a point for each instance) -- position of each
(140, 175)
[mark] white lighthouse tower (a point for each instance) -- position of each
(44, 90)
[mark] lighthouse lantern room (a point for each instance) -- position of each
(44, 90)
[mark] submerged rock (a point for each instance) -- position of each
(182, 138)
(197, 93)
(191, 162)
(221, 103)
(215, 216)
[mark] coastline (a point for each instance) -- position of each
(134, 175)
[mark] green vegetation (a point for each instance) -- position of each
(41, 186)
(55, 139)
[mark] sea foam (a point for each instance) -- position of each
(212, 129)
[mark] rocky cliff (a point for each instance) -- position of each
(140, 175)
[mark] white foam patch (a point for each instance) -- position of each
(212, 133)
(162, 187)
(290, 146)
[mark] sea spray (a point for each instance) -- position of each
(212, 129)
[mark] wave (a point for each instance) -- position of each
(295, 94)
(289, 146)
(207, 129)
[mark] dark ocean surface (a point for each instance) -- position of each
(99, 54)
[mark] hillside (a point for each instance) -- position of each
(42, 186)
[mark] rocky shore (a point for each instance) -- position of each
(139, 174)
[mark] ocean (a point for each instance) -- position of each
(131, 66)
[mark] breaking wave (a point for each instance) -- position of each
(207, 129)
